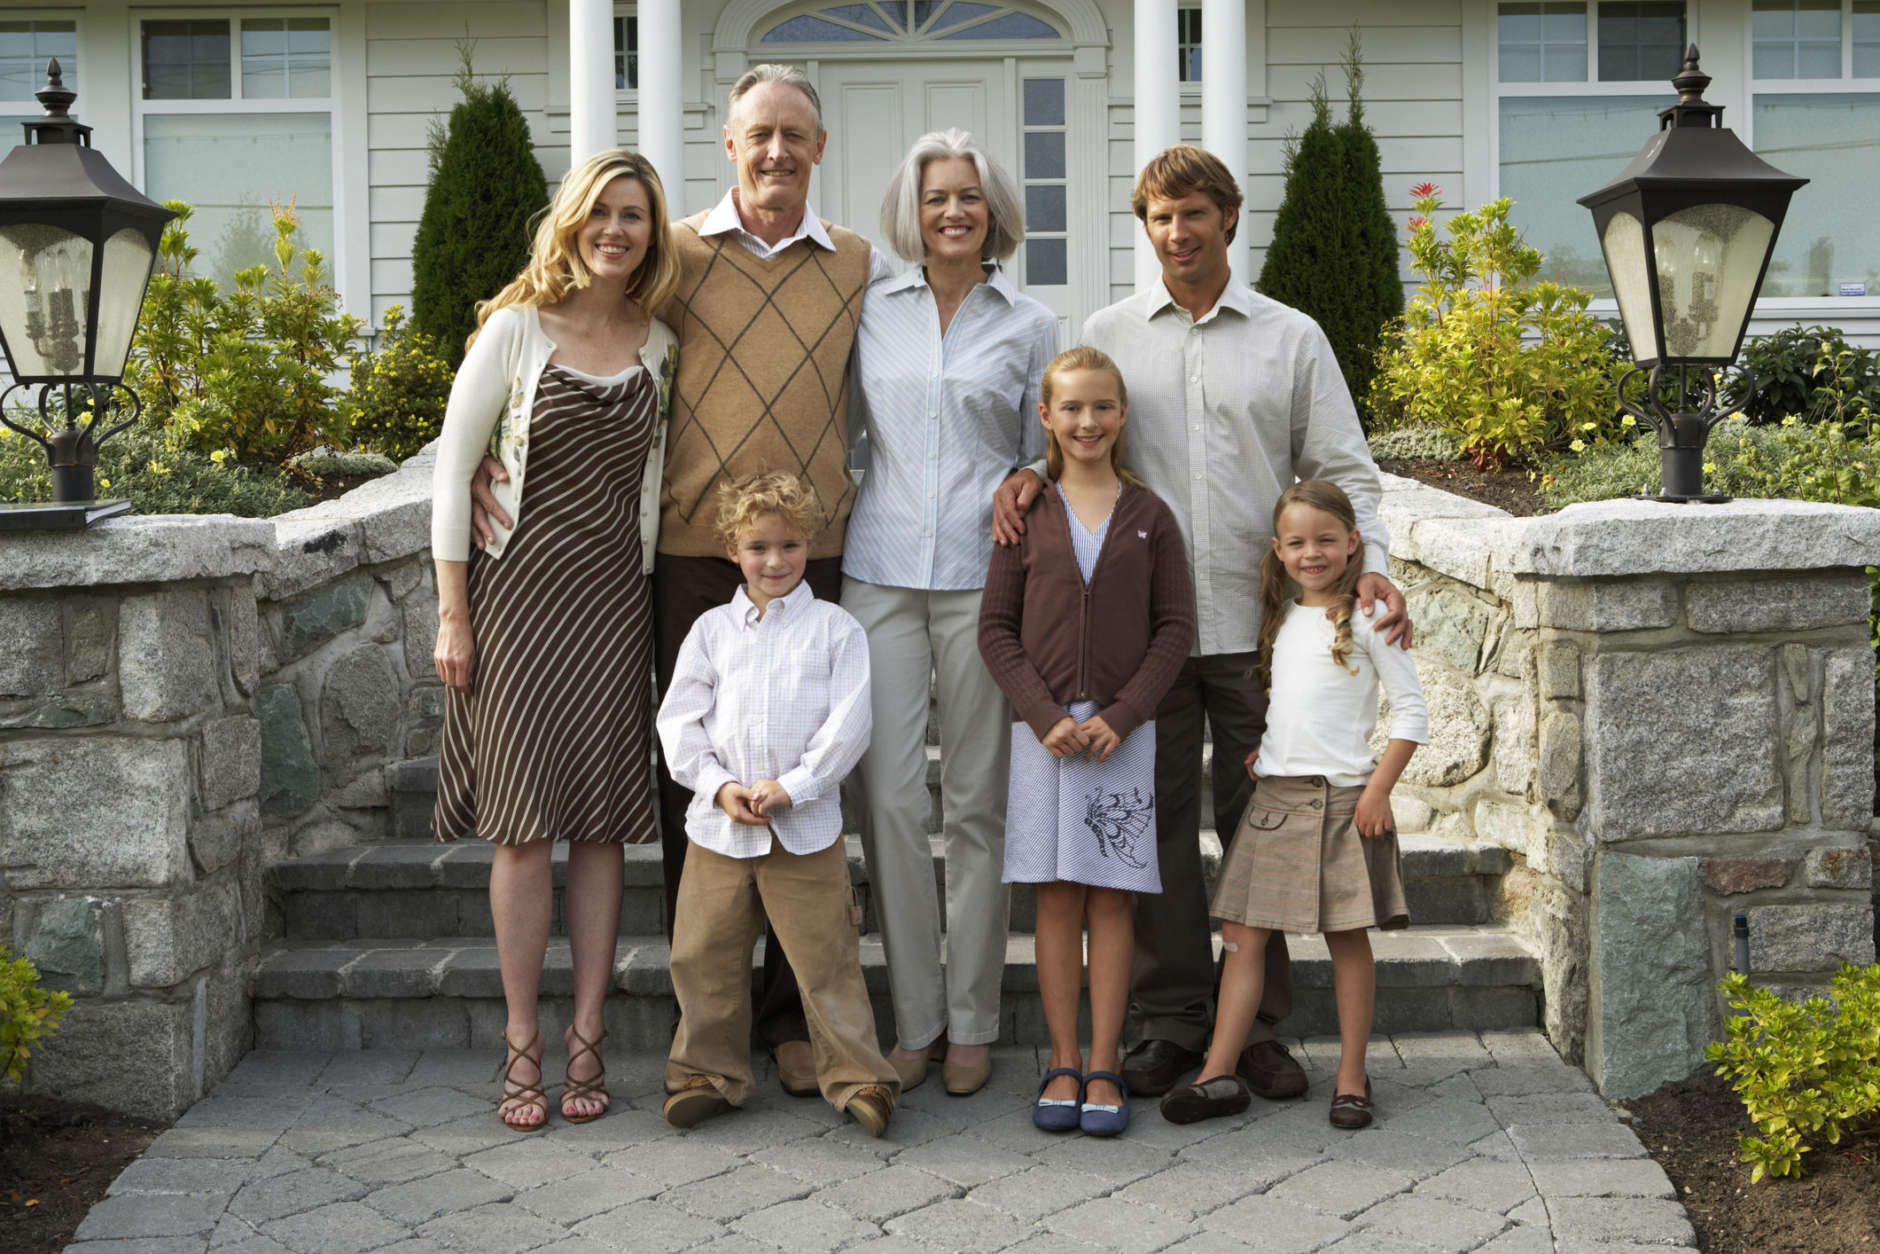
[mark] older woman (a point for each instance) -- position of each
(947, 362)
(545, 636)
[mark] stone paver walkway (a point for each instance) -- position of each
(1483, 1143)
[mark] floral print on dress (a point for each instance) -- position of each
(668, 368)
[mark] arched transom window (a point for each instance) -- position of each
(895, 21)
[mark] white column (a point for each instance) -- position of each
(1224, 100)
(590, 78)
(1158, 103)
(660, 99)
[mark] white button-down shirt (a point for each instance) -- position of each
(724, 220)
(781, 697)
(948, 417)
(1225, 412)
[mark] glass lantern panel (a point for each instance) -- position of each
(127, 261)
(1624, 244)
(1709, 257)
(45, 290)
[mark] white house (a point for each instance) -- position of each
(229, 106)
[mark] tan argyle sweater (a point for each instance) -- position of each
(763, 377)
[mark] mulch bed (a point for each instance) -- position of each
(1508, 489)
(56, 1161)
(1693, 1129)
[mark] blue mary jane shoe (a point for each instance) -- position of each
(1105, 1120)
(1055, 1114)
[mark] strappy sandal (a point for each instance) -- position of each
(518, 1096)
(585, 1090)
(1350, 1111)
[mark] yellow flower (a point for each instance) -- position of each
(1710, 468)
(1628, 421)
(1589, 426)
(1578, 446)
(1789, 421)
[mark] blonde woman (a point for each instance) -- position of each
(545, 635)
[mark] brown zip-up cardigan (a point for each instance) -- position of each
(1049, 640)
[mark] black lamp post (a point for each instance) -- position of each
(77, 247)
(1687, 230)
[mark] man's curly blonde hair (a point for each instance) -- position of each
(743, 501)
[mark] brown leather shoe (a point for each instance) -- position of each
(796, 1069)
(1206, 1099)
(697, 1101)
(1271, 1072)
(1351, 1112)
(1152, 1067)
(872, 1107)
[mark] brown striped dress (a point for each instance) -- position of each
(554, 740)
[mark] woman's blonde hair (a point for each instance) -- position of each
(1083, 358)
(555, 267)
(1276, 586)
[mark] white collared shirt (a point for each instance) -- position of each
(781, 697)
(725, 220)
(948, 417)
(1224, 414)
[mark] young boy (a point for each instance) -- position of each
(767, 711)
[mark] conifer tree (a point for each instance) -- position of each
(473, 236)
(1334, 249)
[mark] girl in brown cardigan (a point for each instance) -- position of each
(1084, 624)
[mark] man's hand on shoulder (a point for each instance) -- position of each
(483, 504)
(1394, 622)
(1010, 502)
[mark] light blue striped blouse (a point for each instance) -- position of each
(947, 419)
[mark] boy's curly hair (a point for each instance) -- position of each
(742, 501)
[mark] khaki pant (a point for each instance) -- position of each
(918, 638)
(722, 906)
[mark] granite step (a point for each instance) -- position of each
(446, 992)
(426, 890)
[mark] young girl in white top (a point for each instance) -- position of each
(1317, 848)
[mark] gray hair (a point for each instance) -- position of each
(900, 207)
(773, 72)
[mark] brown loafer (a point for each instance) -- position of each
(1350, 1111)
(1271, 1072)
(796, 1069)
(1152, 1068)
(698, 1101)
(872, 1107)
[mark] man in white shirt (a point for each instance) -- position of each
(774, 137)
(766, 711)
(1232, 397)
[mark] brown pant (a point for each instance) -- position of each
(683, 589)
(1172, 989)
(722, 905)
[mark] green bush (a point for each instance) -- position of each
(473, 236)
(28, 1013)
(1807, 372)
(399, 389)
(1406, 442)
(1510, 365)
(1334, 249)
(159, 475)
(1804, 1070)
(244, 371)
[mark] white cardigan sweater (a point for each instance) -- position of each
(497, 382)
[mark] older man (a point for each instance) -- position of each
(1231, 397)
(766, 311)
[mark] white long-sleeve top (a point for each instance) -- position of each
(1319, 715)
(781, 697)
(491, 402)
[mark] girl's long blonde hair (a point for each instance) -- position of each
(1277, 587)
(1083, 358)
(555, 267)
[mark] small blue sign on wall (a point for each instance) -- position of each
(1853, 289)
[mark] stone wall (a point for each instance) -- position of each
(184, 701)
(1666, 713)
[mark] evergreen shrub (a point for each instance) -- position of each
(1334, 249)
(473, 236)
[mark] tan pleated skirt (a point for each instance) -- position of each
(1298, 864)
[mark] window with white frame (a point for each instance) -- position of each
(626, 52)
(1046, 176)
(26, 44)
(1815, 112)
(1188, 43)
(234, 114)
(1578, 87)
